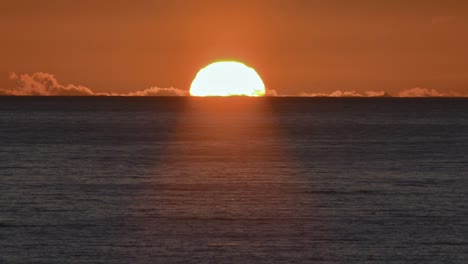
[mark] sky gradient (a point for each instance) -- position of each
(297, 46)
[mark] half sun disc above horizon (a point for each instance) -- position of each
(227, 78)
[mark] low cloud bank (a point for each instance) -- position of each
(271, 93)
(45, 84)
(156, 91)
(424, 92)
(339, 93)
(413, 92)
(41, 83)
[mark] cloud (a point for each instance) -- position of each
(271, 93)
(340, 93)
(413, 92)
(377, 94)
(41, 83)
(46, 84)
(422, 92)
(156, 91)
(425, 92)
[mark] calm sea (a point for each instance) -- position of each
(233, 180)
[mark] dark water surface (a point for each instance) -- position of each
(233, 180)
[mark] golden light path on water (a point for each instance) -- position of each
(228, 185)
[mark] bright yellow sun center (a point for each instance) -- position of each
(227, 78)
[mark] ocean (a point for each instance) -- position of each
(233, 180)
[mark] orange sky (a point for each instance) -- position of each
(296, 45)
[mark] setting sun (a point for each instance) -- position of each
(227, 78)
